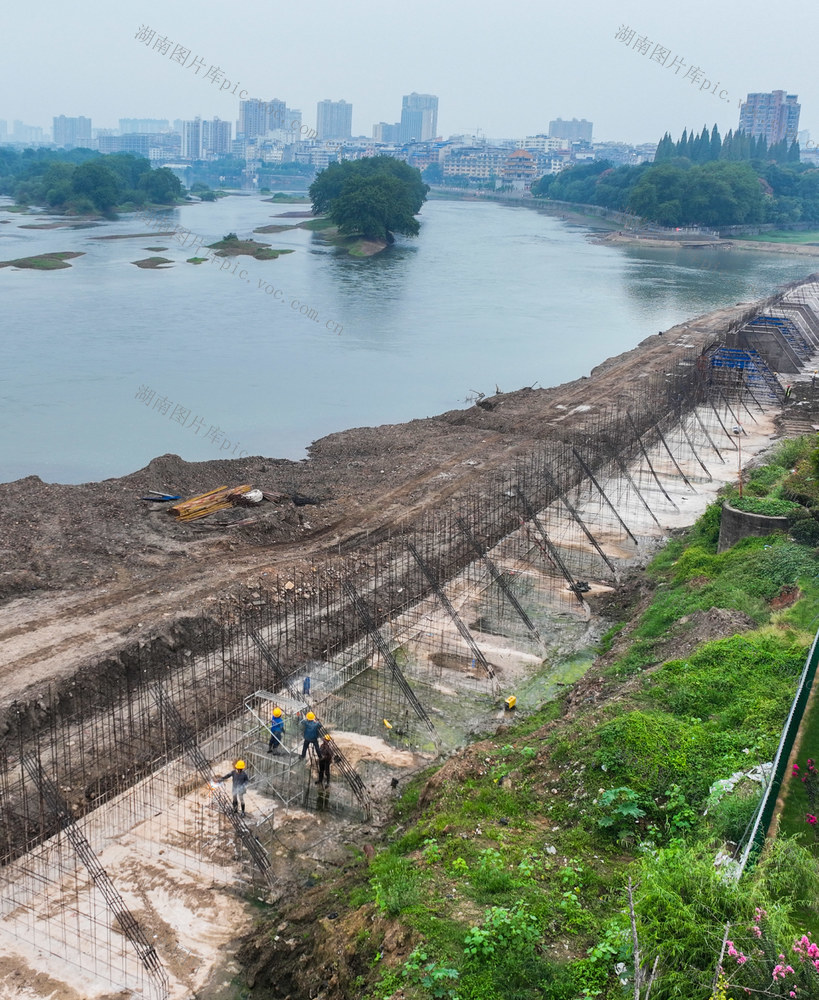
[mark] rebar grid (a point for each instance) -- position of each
(107, 744)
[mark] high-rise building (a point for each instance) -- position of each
(419, 117)
(774, 116)
(574, 130)
(138, 143)
(192, 139)
(26, 133)
(258, 117)
(72, 132)
(141, 126)
(293, 122)
(334, 120)
(216, 137)
(382, 132)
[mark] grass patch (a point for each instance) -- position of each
(316, 225)
(280, 198)
(782, 236)
(745, 578)
(234, 247)
(43, 261)
(152, 263)
(767, 506)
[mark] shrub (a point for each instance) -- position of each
(705, 532)
(502, 930)
(619, 810)
(769, 506)
(731, 817)
(805, 531)
(438, 980)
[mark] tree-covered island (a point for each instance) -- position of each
(373, 198)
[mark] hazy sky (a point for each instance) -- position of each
(505, 68)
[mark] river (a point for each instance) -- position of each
(104, 365)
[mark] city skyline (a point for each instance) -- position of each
(494, 72)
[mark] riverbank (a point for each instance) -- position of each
(648, 240)
(91, 566)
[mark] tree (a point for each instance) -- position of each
(98, 183)
(374, 197)
(161, 186)
(715, 144)
(433, 174)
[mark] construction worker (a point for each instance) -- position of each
(276, 730)
(311, 732)
(239, 783)
(325, 756)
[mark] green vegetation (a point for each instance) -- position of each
(809, 237)
(280, 198)
(81, 182)
(44, 261)
(372, 198)
(232, 246)
(506, 873)
(152, 263)
(769, 506)
(700, 180)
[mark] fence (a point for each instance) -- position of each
(767, 806)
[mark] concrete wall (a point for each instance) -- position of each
(773, 347)
(736, 524)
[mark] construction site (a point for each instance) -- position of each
(125, 869)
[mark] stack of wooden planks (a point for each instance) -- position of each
(208, 503)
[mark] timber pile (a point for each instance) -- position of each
(209, 503)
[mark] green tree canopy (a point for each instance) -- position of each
(374, 197)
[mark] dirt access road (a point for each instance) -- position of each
(89, 568)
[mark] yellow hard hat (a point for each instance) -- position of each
(310, 716)
(277, 712)
(240, 765)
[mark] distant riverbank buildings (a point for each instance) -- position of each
(773, 116)
(269, 134)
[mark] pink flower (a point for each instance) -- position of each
(731, 949)
(758, 931)
(795, 769)
(810, 818)
(742, 959)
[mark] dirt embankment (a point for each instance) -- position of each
(87, 567)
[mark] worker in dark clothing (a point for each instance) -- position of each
(325, 756)
(311, 733)
(276, 730)
(239, 783)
